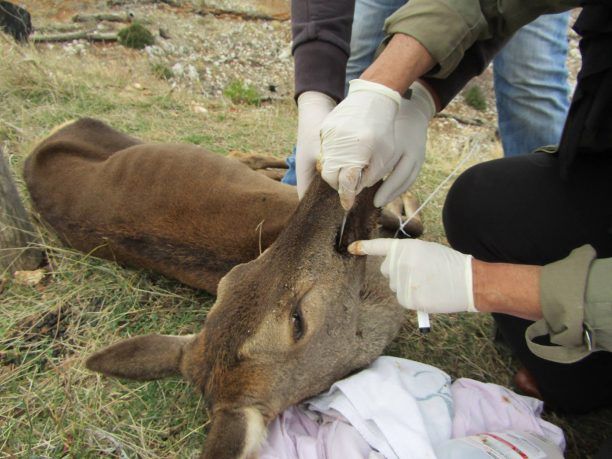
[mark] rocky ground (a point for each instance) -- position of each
(207, 45)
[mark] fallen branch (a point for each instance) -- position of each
(97, 17)
(71, 36)
(59, 28)
(464, 120)
(17, 235)
(247, 16)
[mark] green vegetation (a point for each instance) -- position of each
(162, 71)
(475, 98)
(241, 93)
(136, 36)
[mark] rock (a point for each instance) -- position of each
(15, 21)
(29, 278)
(199, 109)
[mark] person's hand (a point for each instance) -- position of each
(411, 125)
(313, 107)
(424, 275)
(357, 139)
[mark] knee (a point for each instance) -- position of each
(465, 212)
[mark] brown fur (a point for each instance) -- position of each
(176, 209)
(250, 360)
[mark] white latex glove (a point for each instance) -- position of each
(425, 276)
(313, 107)
(357, 139)
(411, 125)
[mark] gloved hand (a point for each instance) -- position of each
(357, 139)
(411, 125)
(425, 276)
(313, 107)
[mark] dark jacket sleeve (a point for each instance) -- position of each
(474, 62)
(321, 44)
(464, 35)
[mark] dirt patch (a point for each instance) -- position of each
(49, 326)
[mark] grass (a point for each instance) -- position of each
(50, 405)
(162, 71)
(242, 93)
(475, 98)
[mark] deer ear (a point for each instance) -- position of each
(143, 358)
(234, 433)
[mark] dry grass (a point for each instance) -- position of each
(50, 405)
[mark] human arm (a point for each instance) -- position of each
(572, 298)
(424, 38)
(433, 278)
(321, 44)
(495, 289)
(313, 107)
(321, 33)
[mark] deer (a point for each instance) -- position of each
(286, 323)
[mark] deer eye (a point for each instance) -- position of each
(298, 323)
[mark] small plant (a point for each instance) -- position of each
(241, 93)
(475, 98)
(135, 36)
(162, 71)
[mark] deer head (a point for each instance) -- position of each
(285, 326)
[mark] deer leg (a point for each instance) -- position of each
(398, 211)
(270, 166)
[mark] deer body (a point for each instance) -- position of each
(285, 325)
(164, 207)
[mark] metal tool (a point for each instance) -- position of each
(346, 212)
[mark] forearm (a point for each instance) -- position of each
(400, 64)
(321, 45)
(448, 28)
(507, 288)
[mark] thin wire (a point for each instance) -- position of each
(475, 146)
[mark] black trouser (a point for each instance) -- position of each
(519, 210)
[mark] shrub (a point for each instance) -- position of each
(135, 36)
(474, 97)
(241, 93)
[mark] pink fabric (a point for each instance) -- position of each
(482, 407)
(399, 409)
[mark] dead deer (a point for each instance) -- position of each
(285, 325)
(176, 209)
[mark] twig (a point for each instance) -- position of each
(242, 15)
(464, 120)
(98, 17)
(83, 35)
(12, 126)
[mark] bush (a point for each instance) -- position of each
(475, 98)
(135, 36)
(241, 93)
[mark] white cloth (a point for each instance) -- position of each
(397, 405)
(398, 408)
(302, 434)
